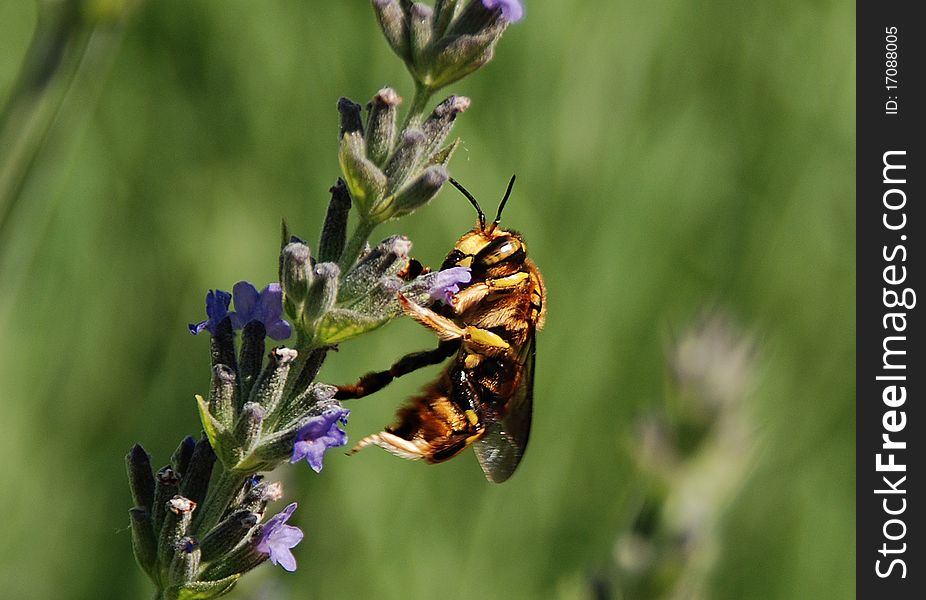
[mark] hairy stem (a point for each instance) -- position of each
(419, 107)
(356, 244)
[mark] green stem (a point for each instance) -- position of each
(419, 107)
(48, 69)
(356, 244)
(221, 493)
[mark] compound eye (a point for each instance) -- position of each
(503, 249)
(454, 259)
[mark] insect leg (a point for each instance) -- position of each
(474, 294)
(445, 328)
(482, 340)
(377, 380)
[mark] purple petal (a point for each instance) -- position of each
(512, 10)
(287, 512)
(284, 558)
(313, 452)
(217, 305)
(246, 299)
(276, 539)
(272, 525)
(318, 435)
(446, 283)
(216, 309)
(197, 327)
(271, 303)
(286, 536)
(280, 330)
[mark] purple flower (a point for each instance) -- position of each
(319, 434)
(277, 538)
(511, 9)
(266, 307)
(216, 309)
(446, 283)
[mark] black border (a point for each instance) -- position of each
(878, 132)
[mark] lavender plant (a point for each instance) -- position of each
(695, 456)
(198, 522)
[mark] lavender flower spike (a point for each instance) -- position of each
(447, 283)
(277, 538)
(266, 307)
(216, 309)
(319, 434)
(512, 10)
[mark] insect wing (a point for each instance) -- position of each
(500, 450)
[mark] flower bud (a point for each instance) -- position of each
(221, 437)
(186, 562)
(248, 427)
(141, 481)
(166, 486)
(195, 481)
(394, 25)
(240, 560)
(323, 292)
(334, 231)
(364, 179)
(437, 126)
(144, 544)
(178, 514)
(248, 485)
(405, 159)
(444, 44)
(477, 17)
(455, 57)
(181, 457)
(381, 303)
(389, 257)
(260, 495)
(419, 192)
(421, 30)
(313, 395)
(228, 534)
(350, 120)
(223, 395)
(222, 345)
(251, 356)
(296, 277)
(272, 382)
(381, 125)
(444, 12)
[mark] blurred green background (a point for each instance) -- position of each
(670, 155)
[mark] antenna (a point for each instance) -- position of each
(482, 216)
(501, 207)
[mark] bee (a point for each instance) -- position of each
(484, 397)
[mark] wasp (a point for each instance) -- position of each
(484, 397)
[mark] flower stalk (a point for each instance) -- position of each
(198, 524)
(695, 456)
(419, 106)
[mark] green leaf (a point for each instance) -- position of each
(341, 324)
(220, 437)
